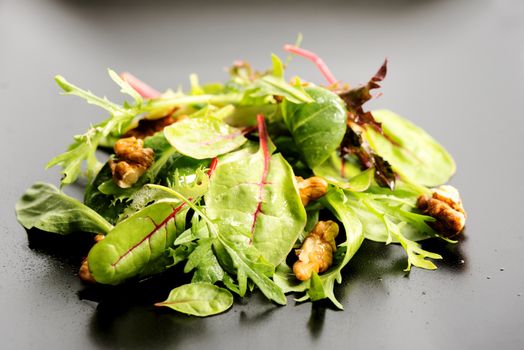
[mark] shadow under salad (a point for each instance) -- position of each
(125, 315)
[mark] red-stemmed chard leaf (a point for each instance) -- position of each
(212, 167)
(136, 242)
(255, 193)
(313, 57)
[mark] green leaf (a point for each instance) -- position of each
(204, 137)
(410, 150)
(318, 127)
(85, 145)
(259, 196)
(249, 263)
(336, 171)
(198, 299)
(360, 182)
(70, 89)
(278, 68)
(125, 87)
(276, 86)
(136, 241)
(45, 207)
(416, 255)
(204, 262)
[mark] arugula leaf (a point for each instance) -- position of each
(235, 252)
(204, 137)
(416, 255)
(249, 263)
(205, 263)
(126, 88)
(85, 145)
(257, 193)
(135, 242)
(198, 299)
(411, 151)
(317, 127)
(45, 207)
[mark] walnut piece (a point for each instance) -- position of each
(311, 188)
(316, 253)
(85, 274)
(132, 161)
(446, 207)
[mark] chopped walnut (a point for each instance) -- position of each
(99, 237)
(316, 253)
(148, 127)
(311, 189)
(446, 207)
(85, 274)
(132, 161)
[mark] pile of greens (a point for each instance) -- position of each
(221, 197)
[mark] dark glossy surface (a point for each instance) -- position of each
(456, 68)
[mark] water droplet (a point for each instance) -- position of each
(423, 293)
(501, 269)
(488, 278)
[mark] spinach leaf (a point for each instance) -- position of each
(45, 207)
(410, 150)
(257, 193)
(317, 127)
(198, 299)
(204, 137)
(135, 242)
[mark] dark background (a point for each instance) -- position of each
(456, 69)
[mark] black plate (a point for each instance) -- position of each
(456, 69)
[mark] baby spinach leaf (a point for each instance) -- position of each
(317, 127)
(198, 299)
(257, 193)
(45, 207)
(136, 241)
(204, 137)
(410, 150)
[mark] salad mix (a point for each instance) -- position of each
(259, 182)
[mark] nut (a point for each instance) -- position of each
(316, 253)
(311, 189)
(84, 273)
(446, 207)
(132, 161)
